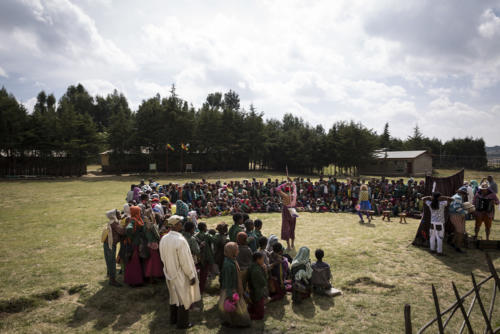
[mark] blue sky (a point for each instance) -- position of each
(431, 63)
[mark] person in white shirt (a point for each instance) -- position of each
(437, 205)
(180, 274)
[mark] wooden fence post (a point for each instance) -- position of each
(492, 270)
(461, 306)
(481, 306)
(438, 311)
(408, 319)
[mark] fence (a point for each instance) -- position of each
(459, 305)
(41, 166)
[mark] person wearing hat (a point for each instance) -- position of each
(485, 201)
(180, 274)
(457, 217)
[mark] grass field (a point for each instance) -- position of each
(53, 273)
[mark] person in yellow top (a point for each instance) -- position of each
(364, 203)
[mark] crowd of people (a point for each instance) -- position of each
(162, 236)
(210, 199)
(478, 202)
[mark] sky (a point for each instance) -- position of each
(435, 64)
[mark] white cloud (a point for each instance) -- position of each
(402, 62)
(29, 104)
(490, 24)
(98, 86)
(3, 73)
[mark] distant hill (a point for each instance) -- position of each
(493, 152)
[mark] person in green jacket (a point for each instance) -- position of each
(193, 244)
(252, 237)
(236, 228)
(232, 291)
(258, 227)
(207, 256)
(220, 241)
(257, 283)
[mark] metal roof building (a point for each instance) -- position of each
(400, 163)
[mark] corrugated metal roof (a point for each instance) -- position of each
(398, 154)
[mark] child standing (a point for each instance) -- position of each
(236, 228)
(257, 284)
(258, 227)
(279, 270)
(232, 290)
(244, 257)
(220, 241)
(252, 237)
(207, 256)
(365, 205)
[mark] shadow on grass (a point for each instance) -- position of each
(324, 302)
(121, 307)
(305, 308)
(463, 263)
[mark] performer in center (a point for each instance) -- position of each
(288, 194)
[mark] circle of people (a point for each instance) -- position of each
(160, 237)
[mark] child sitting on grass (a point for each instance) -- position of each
(321, 276)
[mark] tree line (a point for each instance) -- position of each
(221, 134)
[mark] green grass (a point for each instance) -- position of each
(53, 273)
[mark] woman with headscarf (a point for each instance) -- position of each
(181, 209)
(232, 307)
(126, 209)
(270, 242)
(301, 275)
(110, 237)
(135, 237)
(137, 194)
(475, 186)
(153, 268)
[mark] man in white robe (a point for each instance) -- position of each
(180, 274)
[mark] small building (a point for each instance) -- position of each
(400, 163)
